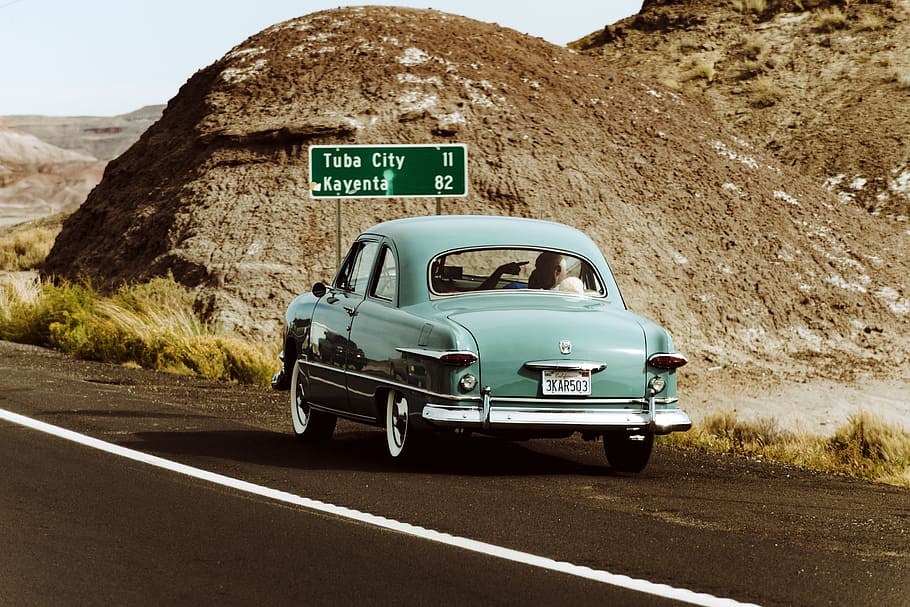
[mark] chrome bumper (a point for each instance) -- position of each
(659, 421)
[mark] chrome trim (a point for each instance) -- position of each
(434, 354)
(485, 411)
(346, 414)
(636, 403)
(652, 418)
(360, 392)
(571, 365)
(328, 383)
(663, 422)
(384, 381)
(337, 385)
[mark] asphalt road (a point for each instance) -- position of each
(79, 526)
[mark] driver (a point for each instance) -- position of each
(549, 269)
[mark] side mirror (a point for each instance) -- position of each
(319, 289)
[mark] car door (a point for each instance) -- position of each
(331, 350)
(377, 329)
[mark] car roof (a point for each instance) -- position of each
(420, 239)
(428, 236)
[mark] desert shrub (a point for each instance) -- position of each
(765, 93)
(151, 324)
(901, 77)
(684, 45)
(750, 6)
(213, 357)
(703, 69)
(869, 447)
(18, 292)
(42, 314)
(751, 51)
(750, 46)
(751, 69)
(865, 447)
(25, 249)
(724, 431)
(871, 23)
(830, 19)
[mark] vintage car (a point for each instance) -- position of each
(503, 326)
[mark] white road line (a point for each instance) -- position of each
(622, 581)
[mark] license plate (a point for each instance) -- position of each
(566, 383)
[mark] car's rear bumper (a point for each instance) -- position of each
(533, 417)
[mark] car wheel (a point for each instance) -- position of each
(309, 425)
(399, 437)
(628, 452)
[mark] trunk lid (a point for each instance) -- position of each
(541, 328)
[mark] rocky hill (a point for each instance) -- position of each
(746, 260)
(821, 85)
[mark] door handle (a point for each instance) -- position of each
(350, 311)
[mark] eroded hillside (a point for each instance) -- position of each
(739, 255)
(822, 85)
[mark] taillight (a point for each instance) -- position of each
(458, 359)
(667, 361)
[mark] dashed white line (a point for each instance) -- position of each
(533, 560)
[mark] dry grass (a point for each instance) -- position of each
(830, 19)
(866, 446)
(870, 23)
(25, 249)
(765, 92)
(901, 77)
(869, 447)
(751, 46)
(152, 325)
(703, 69)
(751, 50)
(750, 6)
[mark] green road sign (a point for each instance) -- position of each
(387, 171)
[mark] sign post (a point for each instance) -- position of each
(387, 171)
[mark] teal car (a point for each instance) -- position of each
(504, 326)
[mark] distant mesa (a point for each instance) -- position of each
(49, 164)
(102, 137)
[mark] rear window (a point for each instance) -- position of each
(501, 269)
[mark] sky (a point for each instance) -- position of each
(110, 57)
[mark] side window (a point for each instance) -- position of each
(387, 280)
(355, 273)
